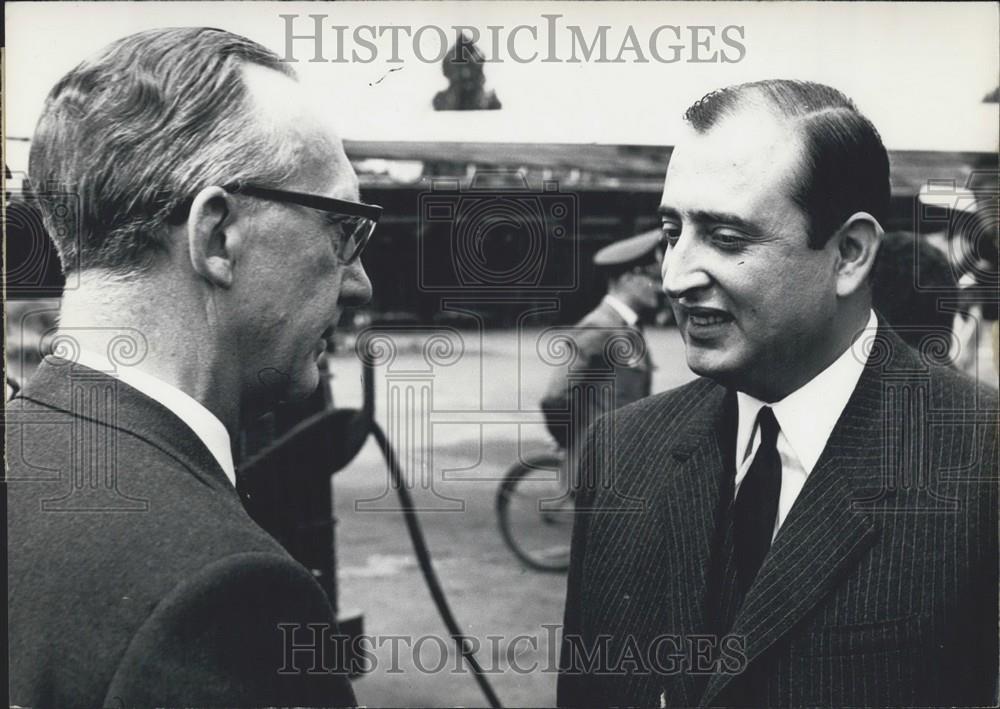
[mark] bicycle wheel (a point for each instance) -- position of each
(535, 512)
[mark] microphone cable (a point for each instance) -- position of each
(427, 567)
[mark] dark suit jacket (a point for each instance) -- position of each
(607, 350)
(135, 577)
(880, 587)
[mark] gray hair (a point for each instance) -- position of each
(130, 135)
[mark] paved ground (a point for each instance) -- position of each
(495, 599)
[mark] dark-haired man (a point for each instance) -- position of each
(211, 221)
(815, 517)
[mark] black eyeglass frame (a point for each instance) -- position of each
(314, 201)
(371, 212)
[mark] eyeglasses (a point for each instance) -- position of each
(357, 219)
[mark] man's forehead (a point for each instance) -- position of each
(745, 155)
(281, 98)
(302, 121)
(324, 167)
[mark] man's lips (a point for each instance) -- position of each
(702, 320)
(700, 315)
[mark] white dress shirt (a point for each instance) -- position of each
(200, 420)
(806, 418)
(628, 315)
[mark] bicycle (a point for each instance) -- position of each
(535, 505)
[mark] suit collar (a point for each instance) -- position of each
(56, 384)
(622, 309)
(199, 419)
(605, 315)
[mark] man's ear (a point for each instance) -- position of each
(212, 237)
(857, 243)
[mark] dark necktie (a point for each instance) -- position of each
(756, 503)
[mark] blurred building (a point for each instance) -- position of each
(616, 190)
(525, 220)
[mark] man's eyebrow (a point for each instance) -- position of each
(704, 216)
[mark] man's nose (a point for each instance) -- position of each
(683, 270)
(355, 288)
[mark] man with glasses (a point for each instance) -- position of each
(212, 225)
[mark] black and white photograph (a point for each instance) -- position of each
(501, 354)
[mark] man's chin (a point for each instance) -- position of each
(281, 387)
(712, 364)
(305, 386)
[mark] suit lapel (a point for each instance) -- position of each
(689, 508)
(824, 534)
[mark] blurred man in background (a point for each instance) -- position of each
(974, 251)
(815, 518)
(609, 342)
(213, 221)
(911, 286)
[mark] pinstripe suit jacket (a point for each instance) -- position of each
(880, 587)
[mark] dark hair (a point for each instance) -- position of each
(844, 167)
(132, 132)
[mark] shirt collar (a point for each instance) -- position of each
(200, 420)
(807, 415)
(628, 315)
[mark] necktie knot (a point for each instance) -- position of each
(768, 427)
